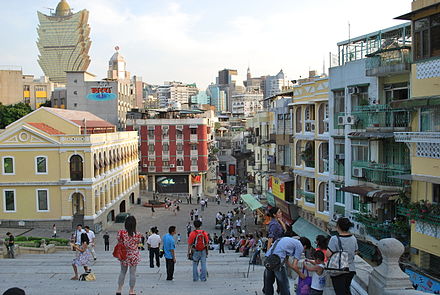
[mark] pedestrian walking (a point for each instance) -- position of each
(198, 198)
(206, 202)
(198, 244)
(178, 238)
(238, 225)
(196, 214)
(106, 241)
(10, 245)
(168, 248)
(191, 214)
(153, 243)
(152, 211)
(91, 244)
(130, 238)
(284, 248)
(343, 241)
(190, 198)
(188, 228)
(54, 230)
(202, 205)
(221, 243)
(76, 236)
(83, 256)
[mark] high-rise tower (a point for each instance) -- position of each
(63, 42)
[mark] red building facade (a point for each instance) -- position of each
(174, 153)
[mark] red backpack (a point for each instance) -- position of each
(199, 241)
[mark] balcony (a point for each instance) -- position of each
(391, 61)
(165, 168)
(179, 153)
(194, 168)
(180, 168)
(380, 116)
(382, 230)
(152, 153)
(179, 136)
(151, 169)
(422, 137)
(417, 211)
(309, 197)
(194, 153)
(379, 173)
(193, 138)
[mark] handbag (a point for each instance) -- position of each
(120, 251)
(273, 261)
(304, 285)
(338, 262)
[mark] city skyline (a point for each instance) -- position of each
(168, 40)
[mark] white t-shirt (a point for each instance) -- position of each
(91, 236)
(238, 222)
(154, 241)
(318, 281)
(78, 236)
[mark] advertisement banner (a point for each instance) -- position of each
(101, 93)
(196, 179)
(423, 283)
(276, 187)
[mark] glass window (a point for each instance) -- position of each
(430, 120)
(8, 165)
(76, 168)
(41, 165)
(427, 37)
(340, 197)
(179, 147)
(194, 147)
(193, 130)
(151, 147)
(166, 147)
(359, 150)
(9, 200)
(193, 162)
(165, 163)
(42, 200)
(436, 193)
(356, 203)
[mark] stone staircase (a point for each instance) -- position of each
(50, 274)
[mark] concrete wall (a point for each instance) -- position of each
(11, 86)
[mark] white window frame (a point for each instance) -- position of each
(48, 199)
(36, 165)
(4, 201)
(3, 165)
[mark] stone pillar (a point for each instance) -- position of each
(388, 277)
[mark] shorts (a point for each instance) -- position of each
(316, 292)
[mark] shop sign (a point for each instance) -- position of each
(101, 93)
(276, 187)
(423, 283)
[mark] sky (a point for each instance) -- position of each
(191, 40)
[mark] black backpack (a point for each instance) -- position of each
(273, 261)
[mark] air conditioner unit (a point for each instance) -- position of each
(356, 90)
(340, 156)
(172, 165)
(350, 120)
(341, 120)
(145, 165)
(351, 90)
(358, 172)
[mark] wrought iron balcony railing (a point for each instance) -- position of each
(379, 173)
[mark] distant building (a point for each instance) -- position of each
(274, 84)
(109, 99)
(226, 81)
(63, 42)
(175, 155)
(172, 93)
(246, 104)
(200, 99)
(66, 167)
(16, 87)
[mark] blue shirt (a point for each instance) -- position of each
(168, 245)
(287, 247)
(275, 230)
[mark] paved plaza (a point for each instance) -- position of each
(50, 274)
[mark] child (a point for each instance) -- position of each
(178, 238)
(318, 275)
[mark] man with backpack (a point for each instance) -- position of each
(198, 244)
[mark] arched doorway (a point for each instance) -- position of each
(77, 204)
(111, 216)
(132, 198)
(76, 168)
(122, 207)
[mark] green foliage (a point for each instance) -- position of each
(37, 241)
(48, 104)
(11, 113)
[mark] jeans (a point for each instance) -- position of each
(316, 292)
(154, 252)
(11, 249)
(106, 247)
(282, 281)
(170, 268)
(341, 283)
(199, 256)
(122, 274)
(221, 248)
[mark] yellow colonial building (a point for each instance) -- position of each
(310, 149)
(423, 208)
(66, 167)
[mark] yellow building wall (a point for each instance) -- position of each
(53, 120)
(425, 166)
(424, 242)
(26, 94)
(423, 87)
(40, 94)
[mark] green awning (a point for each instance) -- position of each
(304, 228)
(416, 102)
(253, 203)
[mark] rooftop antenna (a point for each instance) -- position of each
(50, 10)
(349, 33)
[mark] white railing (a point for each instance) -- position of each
(151, 169)
(430, 137)
(180, 169)
(194, 168)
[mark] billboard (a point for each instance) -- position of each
(101, 93)
(172, 184)
(276, 187)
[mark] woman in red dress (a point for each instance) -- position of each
(130, 239)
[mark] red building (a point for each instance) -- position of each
(174, 153)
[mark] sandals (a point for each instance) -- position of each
(75, 278)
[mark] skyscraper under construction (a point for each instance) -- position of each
(63, 42)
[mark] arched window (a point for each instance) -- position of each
(298, 153)
(323, 157)
(323, 197)
(298, 122)
(76, 168)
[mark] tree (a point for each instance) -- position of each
(11, 113)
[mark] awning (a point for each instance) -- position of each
(377, 135)
(253, 203)
(371, 192)
(410, 15)
(284, 177)
(416, 102)
(424, 178)
(304, 228)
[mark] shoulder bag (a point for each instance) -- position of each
(338, 261)
(273, 261)
(120, 251)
